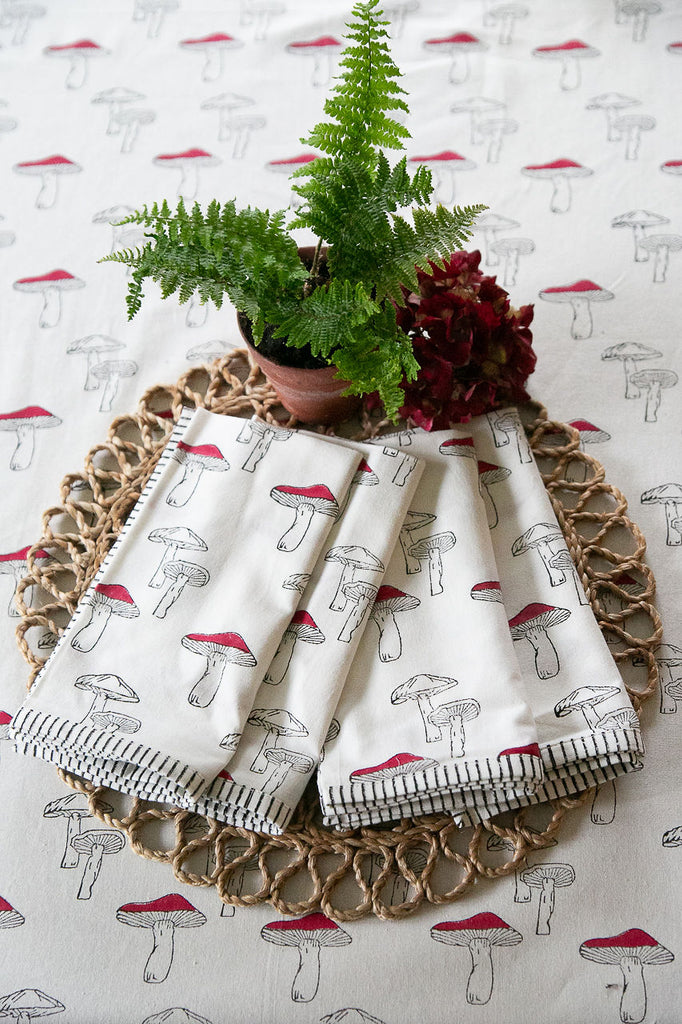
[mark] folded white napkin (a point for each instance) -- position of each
(154, 678)
(433, 712)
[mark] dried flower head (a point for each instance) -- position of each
(473, 349)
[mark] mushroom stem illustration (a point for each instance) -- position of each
(194, 459)
(603, 809)
(163, 916)
(307, 934)
(104, 601)
(95, 844)
(531, 624)
(547, 878)
(23, 453)
(362, 596)
(630, 951)
(302, 627)
(219, 649)
(179, 576)
(305, 501)
(433, 548)
(480, 934)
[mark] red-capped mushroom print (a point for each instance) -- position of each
(9, 917)
(490, 474)
(174, 539)
(24, 423)
(302, 628)
(561, 174)
(309, 935)
(570, 56)
(631, 951)
(28, 1003)
(672, 167)
(163, 916)
(480, 934)
(305, 501)
(189, 163)
(399, 766)
(578, 296)
(487, 590)
(444, 167)
(50, 286)
(458, 47)
(458, 447)
(212, 49)
(195, 460)
(259, 435)
(423, 689)
(219, 650)
(105, 600)
(79, 54)
(16, 564)
(364, 476)
(388, 603)
(532, 624)
(48, 170)
(547, 878)
(322, 51)
(94, 845)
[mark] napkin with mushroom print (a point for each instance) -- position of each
(152, 682)
(433, 715)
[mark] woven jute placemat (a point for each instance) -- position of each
(347, 875)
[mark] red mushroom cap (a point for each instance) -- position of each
(292, 161)
(230, 641)
(457, 444)
(321, 42)
(173, 907)
(80, 44)
(207, 450)
(399, 764)
(535, 611)
(578, 287)
(187, 154)
(562, 164)
(484, 925)
(215, 37)
(52, 277)
(634, 942)
(459, 37)
(49, 161)
(20, 556)
(444, 156)
(316, 491)
(313, 926)
(115, 592)
(572, 44)
(532, 749)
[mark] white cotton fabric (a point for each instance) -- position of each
(433, 715)
(152, 699)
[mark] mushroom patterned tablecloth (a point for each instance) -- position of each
(564, 121)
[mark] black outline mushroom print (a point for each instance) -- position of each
(505, 427)
(309, 935)
(488, 475)
(399, 766)
(511, 250)
(105, 600)
(302, 627)
(522, 893)
(163, 916)
(388, 603)
(9, 917)
(547, 878)
(670, 496)
(234, 125)
(422, 689)
(297, 581)
(179, 575)
(629, 353)
(195, 459)
(603, 806)
(653, 380)
(27, 1003)
(404, 468)
(487, 590)
(79, 55)
(282, 762)
(532, 624)
(453, 718)
(350, 1014)
(174, 539)
(95, 844)
(24, 422)
(638, 221)
(305, 501)
(353, 559)
(611, 103)
(187, 163)
(569, 55)
(585, 699)
(15, 564)
(114, 722)
(93, 347)
(115, 100)
(259, 435)
(414, 521)
(109, 375)
(560, 173)
(462, 447)
(360, 597)
(631, 951)
(49, 170)
(364, 476)
(276, 722)
(219, 650)
(431, 550)
(668, 658)
(672, 837)
(480, 934)
(578, 296)
(74, 807)
(176, 1014)
(50, 286)
(106, 687)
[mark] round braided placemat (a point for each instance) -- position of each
(349, 874)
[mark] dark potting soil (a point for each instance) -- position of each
(278, 352)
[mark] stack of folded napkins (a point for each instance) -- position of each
(403, 617)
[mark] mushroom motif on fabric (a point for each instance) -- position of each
(670, 496)
(179, 575)
(669, 661)
(105, 687)
(9, 917)
(105, 600)
(361, 597)
(163, 916)
(282, 762)
(399, 766)
(308, 935)
(333, 731)
(110, 373)
(114, 722)
(73, 807)
(388, 603)
(92, 347)
(562, 560)
(79, 54)
(27, 1003)
(638, 221)
(5, 722)
(540, 537)
(672, 837)
(95, 845)
(458, 447)
(561, 174)
(15, 564)
(219, 650)
(511, 250)
(297, 581)
(25, 422)
(234, 125)
(323, 50)
(630, 128)
(364, 476)
(653, 381)
(578, 296)
(405, 466)
(49, 170)
(353, 559)
(305, 501)
(507, 429)
(453, 718)
(480, 934)
(350, 1015)
(444, 167)
(422, 689)
(431, 550)
(260, 436)
(570, 55)
(50, 286)
(195, 460)
(458, 47)
(631, 951)
(532, 624)
(488, 475)
(302, 627)
(487, 590)
(612, 103)
(522, 893)
(188, 162)
(115, 100)
(629, 353)
(414, 521)
(547, 878)
(213, 48)
(276, 722)
(175, 1014)
(585, 699)
(174, 539)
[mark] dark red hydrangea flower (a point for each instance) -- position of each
(474, 351)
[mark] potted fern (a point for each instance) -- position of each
(337, 300)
